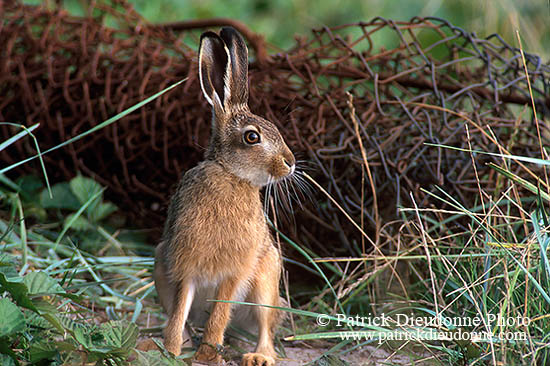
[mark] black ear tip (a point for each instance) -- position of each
(210, 34)
(228, 31)
(228, 34)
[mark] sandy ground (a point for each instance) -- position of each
(367, 356)
(302, 353)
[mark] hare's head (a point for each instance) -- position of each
(247, 145)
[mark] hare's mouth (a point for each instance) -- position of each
(282, 171)
(261, 178)
(282, 177)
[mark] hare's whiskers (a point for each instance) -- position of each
(289, 200)
(268, 193)
(276, 194)
(303, 185)
(293, 184)
(285, 191)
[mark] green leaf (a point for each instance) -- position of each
(155, 358)
(103, 210)
(34, 320)
(53, 320)
(7, 356)
(44, 307)
(62, 197)
(77, 214)
(8, 270)
(42, 350)
(78, 223)
(330, 360)
(85, 188)
(29, 185)
(13, 320)
(86, 335)
(39, 283)
(7, 234)
(6, 360)
(65, 346)
(112, 339)
(120, 335)
(70, 324)
(18, 291)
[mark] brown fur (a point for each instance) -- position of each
(216, 236)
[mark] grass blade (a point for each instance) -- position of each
(504, 156)
(95, 128)
(11, 140)
(457, 205)
(527, 185)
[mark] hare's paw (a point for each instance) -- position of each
(173, 345)
(257, 359)
(208, 354)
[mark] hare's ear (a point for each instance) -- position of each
(214, 66)
(238, 77)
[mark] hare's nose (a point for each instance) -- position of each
(290, 165)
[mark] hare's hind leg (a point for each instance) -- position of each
(265, 290)
(176, 301)
(165, 289)
(173, 333)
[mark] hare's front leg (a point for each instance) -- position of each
(173, 333)
(265, 290)
(218, 320)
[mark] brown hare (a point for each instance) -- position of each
(216, 242)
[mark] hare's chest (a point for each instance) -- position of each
(218, 242)
(230, 245)
(220, 226)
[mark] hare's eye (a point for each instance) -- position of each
(251, 137)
